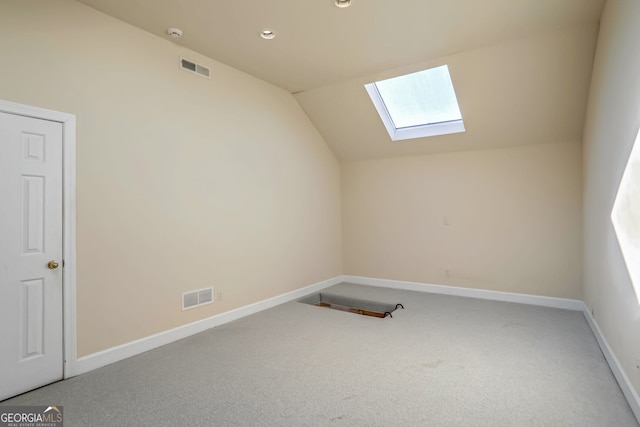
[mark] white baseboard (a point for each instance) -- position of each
(124, 351)
(623, 381)
(567, 304)
(576, 305)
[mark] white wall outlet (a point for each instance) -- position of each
(447, 273)
(219, 296)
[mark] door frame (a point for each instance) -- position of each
(68, 122)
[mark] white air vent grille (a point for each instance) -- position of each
(197, 298)
(201, 70)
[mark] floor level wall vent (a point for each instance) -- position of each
(197, 298)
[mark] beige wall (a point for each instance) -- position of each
(514, 218)
(183, 182)
(612, 122)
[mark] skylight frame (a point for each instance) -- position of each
(418, 131)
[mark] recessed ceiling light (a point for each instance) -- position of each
(342, 3)
(267, 34)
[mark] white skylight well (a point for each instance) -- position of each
(418, 104)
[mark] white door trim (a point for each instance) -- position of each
(68, 122)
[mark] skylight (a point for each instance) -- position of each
(418, 104)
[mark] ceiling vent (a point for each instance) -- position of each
(201, 70)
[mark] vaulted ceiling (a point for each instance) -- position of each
(521, 68)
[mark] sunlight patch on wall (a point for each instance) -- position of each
(626, 216)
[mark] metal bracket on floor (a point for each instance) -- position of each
(389, 313)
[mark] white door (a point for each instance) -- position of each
(31, 340)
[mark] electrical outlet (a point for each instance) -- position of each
(638, 364)
(219, 296)
(447, 273)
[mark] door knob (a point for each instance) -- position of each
(53, 264)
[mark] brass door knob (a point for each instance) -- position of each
(53, 264)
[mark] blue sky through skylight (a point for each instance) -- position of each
(421, 98)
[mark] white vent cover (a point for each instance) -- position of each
(201, 70)
(197, 298)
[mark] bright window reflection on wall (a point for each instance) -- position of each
(626, 215)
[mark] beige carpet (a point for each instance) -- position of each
(443, 361)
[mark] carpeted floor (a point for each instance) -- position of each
(443, 361)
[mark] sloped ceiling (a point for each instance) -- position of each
(520, 67)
